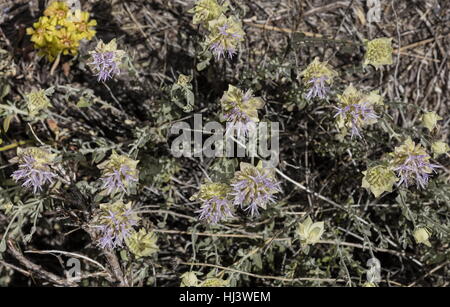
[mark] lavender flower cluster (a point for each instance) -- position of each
(415, 168)
(357, 114)
(255, 191)
(251, 189)
(33, 177)
(115, 180)
(115, 224)
(105, 65)
(219, 48)
(215, 209)
(318, 88)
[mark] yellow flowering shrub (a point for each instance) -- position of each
(60, 30)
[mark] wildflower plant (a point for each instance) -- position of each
(240, 110)
(56, 197)
(216, 204)
(119, 173)
(318, 77)
(60, 30)
(106, 60)
(225, 36)
(422, 236)
(115, 223)
(35, 168)
(253, 187)
(378, 52)
(356, 110)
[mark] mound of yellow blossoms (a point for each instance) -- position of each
(60, 30)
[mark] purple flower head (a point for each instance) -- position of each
(115, 180)
(240, 110)
(216, 205)
(357, 115)
(116, 224)
(219, 50)
(33, 174)
(318, 88)
(119, 173)
(253, 188)
(104, 64)
(415, 168)
(239, 121)
(226, 34)
(106, 60)
(215, 209)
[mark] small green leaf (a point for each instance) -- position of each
(7, 122)
(83, 103)
(5, 91)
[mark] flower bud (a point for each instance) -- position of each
(309, 232)
(422, 235)
(439, 148)
(430, 119)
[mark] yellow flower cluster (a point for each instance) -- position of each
(60, 30)
(310, 232)
(379, 179)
